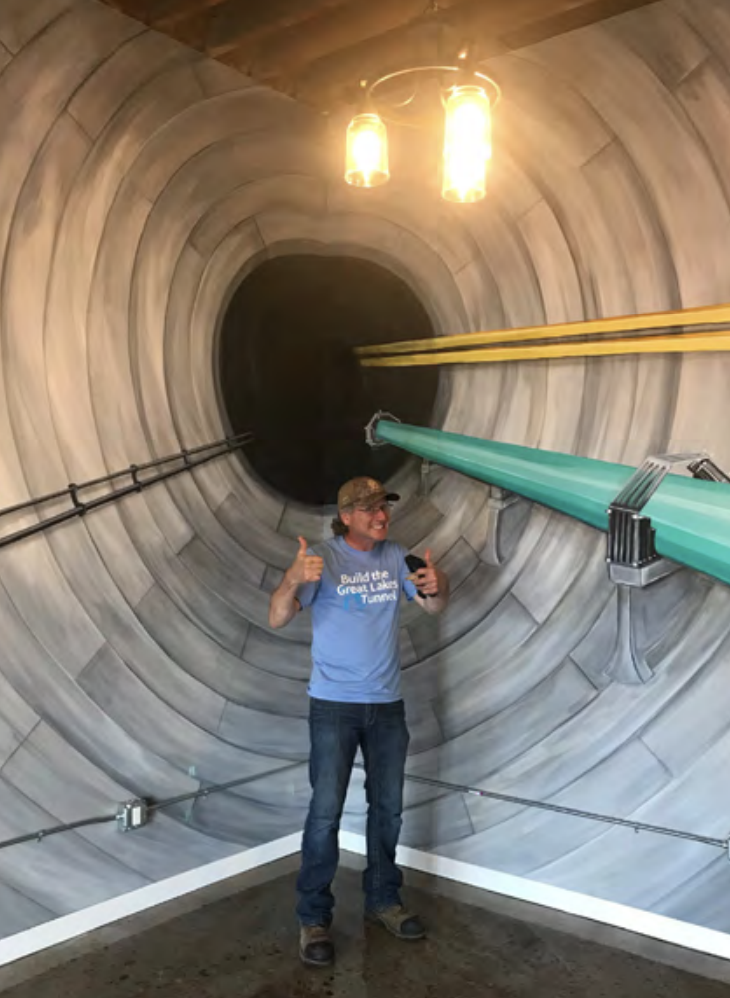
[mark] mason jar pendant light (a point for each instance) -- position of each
(367, 151)
(467, 133)
(467, 144)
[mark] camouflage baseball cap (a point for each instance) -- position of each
(363, 492)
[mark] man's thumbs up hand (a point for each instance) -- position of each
(305, 567)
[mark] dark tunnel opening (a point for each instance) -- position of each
(288, 372)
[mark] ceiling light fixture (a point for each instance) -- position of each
(468, 104)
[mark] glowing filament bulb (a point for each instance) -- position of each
(367, 152)
(467, 144)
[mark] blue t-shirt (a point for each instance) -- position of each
(355, 615)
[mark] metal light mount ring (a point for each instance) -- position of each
(373, 425)
(494, 97)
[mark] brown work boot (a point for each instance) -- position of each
(398, 920)
(315, 946)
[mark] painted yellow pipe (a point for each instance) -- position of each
(676, 343)
(705, 316)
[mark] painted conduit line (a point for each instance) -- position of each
(45, 833)
(637, 826)
(219, 448)
(152, 805)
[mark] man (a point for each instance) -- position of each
(353, 585)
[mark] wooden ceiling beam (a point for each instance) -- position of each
(326, 81)
(480, 21)
(166, 14)
(216, 26)
(586, 13)
(279, 60)
(235, 24)
(519, 20)
(288, 51)
(318, 50)
(494, 28)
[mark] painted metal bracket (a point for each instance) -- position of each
(633, 562)
(627, 664)
(631, 554)
(497, 502)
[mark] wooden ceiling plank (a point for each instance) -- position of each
(498, 18)
(289, 50)
(409, 46)
(318, 50)
(167, 13)
(283, 55)
(494, 27)
(234, 23)
(579, 17)
(436, 39)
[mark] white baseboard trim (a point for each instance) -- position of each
(68, 927)
(670, 930)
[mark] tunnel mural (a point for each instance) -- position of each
(142, 184)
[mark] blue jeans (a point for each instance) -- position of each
(336, 730)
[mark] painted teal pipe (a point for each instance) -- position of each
(691, 517)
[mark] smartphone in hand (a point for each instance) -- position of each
(414, 563)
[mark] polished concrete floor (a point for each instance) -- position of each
(245, 945)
